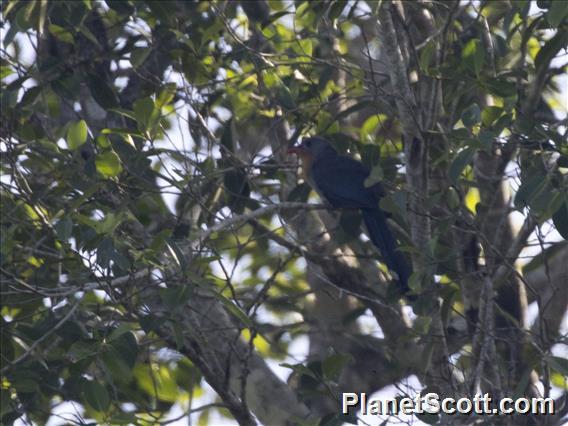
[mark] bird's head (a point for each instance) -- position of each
(311, 148)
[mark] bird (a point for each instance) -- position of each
(340, 181)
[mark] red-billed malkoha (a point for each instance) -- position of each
(340, 181)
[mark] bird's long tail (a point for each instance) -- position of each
(383, 239)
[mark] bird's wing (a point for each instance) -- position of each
(340, 180)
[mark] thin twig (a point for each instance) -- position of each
(35, 344)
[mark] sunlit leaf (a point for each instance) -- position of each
(61, 34)
(157, 381)
(473, 55)
(108, 164)
(77, 134)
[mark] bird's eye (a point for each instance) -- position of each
(308, 143)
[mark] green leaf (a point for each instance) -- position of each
(529, 189)
(30, 96)
(302, 8)
(452, 199)
(187, 375)
(235, 310)
(166, 95)
(157, 382)
(126, 133)
(25, 381)
(486, 137)
(370, 126)
(103, 94)
(105, 226)
(146, 114)
(120, 356)
(471, 115)
(284, 96)
(64, 228)
(139, 55)
(53, 103)
(415, 282)
(460, 162)
(163, 11)
(123, 418)
(545, 255)
(96, 395)
(274, 17)
(177, 254)
(376, 176)
(108, 164)
(120, 6)
(473, 55)
(61, 33)
(490, 114)
(559, 380)
(5, 71)
(203, 419)
(176, 297)
(118, 332)
(151, 322)
(558, 364)
(422, 324)
(87, 33)
(81, 350)
(336, 9)
(557, 13)
(77, 134)
(103, 142)
(119, 370)
(143, 109)
(6, 406)
(548, 202)
(501, 87)
(304, 47)
(301, 369)
(522, 383)
(352, 109)
(120, 261)
(395, 203)
(426, 55)
(334, 364)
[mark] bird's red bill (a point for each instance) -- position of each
(294, 150)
